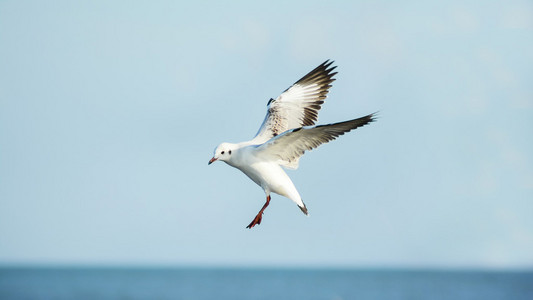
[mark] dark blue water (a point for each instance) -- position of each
(127, 283)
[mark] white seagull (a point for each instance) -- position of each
(286, 133)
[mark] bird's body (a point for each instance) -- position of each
(285, 135)
(268, 175)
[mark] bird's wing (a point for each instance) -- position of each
(287, 148)
(298, 105)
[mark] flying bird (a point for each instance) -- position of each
(286, 133)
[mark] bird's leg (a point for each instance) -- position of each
(257, 219)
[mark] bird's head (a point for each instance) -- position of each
(223, 152)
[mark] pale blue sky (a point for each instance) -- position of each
(109, 112)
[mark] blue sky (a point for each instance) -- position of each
(109, 113)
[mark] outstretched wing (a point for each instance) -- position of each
(288, 147)
(298, 105)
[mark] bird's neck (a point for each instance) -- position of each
(237, 158)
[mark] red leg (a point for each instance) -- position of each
(257, 219)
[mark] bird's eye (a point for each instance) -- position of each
(229, 152)
(222, 152)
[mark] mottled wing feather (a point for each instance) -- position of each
(288, 147)
(298, 105)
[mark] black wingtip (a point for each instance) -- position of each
(374, 116)
(323, 75)
(327, 63)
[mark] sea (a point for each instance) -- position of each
(261, 283)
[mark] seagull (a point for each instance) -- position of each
(286, 133)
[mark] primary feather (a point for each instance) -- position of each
(298, 105)
(288, 147)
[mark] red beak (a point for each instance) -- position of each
(212, 160)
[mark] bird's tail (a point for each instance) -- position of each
(303, 208)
